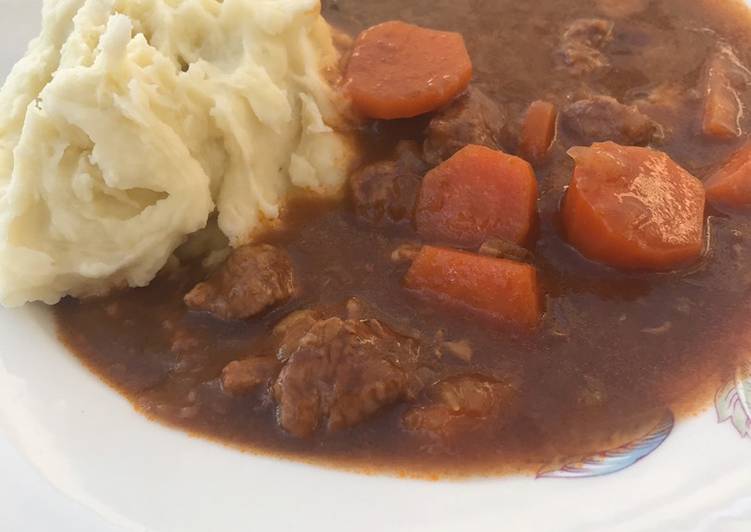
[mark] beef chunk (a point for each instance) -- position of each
(473, 118)
(666, 104)
(291, 330)
(461, 403)
(582, 43)
(386, 191)
(243, 376)
(252, 279)
(666, 98)
(342, 372)
(602, 118)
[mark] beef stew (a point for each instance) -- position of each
(391, 330)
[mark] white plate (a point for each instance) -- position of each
(74, 456)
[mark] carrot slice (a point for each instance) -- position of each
(722, 105)
(722, 110)
(730, 186)
(633, 208)
(538, 130)
(477, 194)
(399, 70)
(499, 289)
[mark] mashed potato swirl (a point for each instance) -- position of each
(128, 122)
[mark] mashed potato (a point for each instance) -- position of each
(129, 121)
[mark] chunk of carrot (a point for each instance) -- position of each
(722, 104)
(722, 111)
(504, 291)
(477, 194)
(398, 70)
(730, 186)
(633, 208)
(538, 130)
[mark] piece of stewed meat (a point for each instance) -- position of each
(252, 279)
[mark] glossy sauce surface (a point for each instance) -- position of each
(616, 350)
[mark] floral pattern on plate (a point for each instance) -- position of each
(733, 401)
(617, 459)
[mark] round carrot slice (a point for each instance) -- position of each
(633, 208)
(398, 70)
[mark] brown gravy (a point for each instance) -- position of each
(615, 351)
